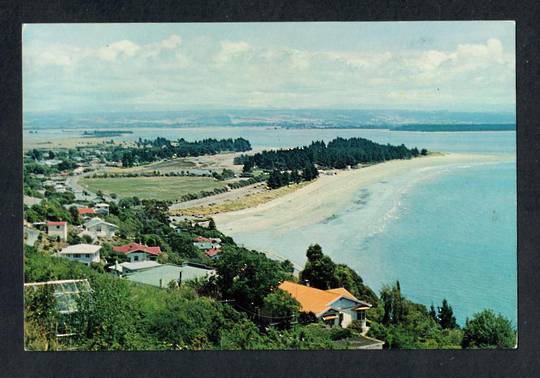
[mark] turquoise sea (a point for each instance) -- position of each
(447, 232)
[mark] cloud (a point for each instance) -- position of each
(123, 48)
(176, 71)
(231, 50)
(172, 42)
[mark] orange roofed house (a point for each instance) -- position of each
(334, 306)
(138, 252)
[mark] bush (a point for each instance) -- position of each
(488, 330)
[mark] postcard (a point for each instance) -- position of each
(275, 186)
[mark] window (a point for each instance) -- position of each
(87, 255)
(136, 258)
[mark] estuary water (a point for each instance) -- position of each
(446, 232)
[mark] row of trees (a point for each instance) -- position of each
(338, 153)
(161, 148)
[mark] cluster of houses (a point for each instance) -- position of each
(142, 265)
(210, 246)
(335, 307)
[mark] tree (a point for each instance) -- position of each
(393, 304)
(446, 316)
(212, 224)
(243, 335)
(350, 280)
(106, 318)
(247, 276)
(433, 313)
(40, 319)
(280, 307)
(74, 212)
(319, 270)
(488, 330)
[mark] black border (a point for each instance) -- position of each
(521, 362)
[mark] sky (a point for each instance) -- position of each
(464, 66)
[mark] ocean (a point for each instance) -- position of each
(446, 232)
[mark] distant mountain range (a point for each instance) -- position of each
(312, 118)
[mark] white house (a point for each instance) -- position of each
(84, 253)
(334, 306)
(100, 228)
(57, 229)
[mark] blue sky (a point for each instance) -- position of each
(456, 66)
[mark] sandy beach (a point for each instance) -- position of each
(315, 202)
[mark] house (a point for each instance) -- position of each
(101, 228)
(132, 267)
(161, 276)
(84, 253)
(206, 244)
(101, 208)
(138, 252)
(86, 211)
(213, 253)
(208, 240)
(57, 229)
(333, 306)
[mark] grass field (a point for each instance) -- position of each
(243, 203)
(161, 188)
(174, 165)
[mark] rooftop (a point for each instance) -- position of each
(212, 252)
(167, 273)
(94, 221)
(86, 210)
(316, 300)
(136, 247)
(56, 223)
(81, 248)
(138, 265)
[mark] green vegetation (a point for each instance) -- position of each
(160, 148)
(488, 330)
(160, 188)
(238, 308)
(339, 153)
(323, 273)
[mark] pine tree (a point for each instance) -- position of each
(446, 316)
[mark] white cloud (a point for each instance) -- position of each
(234, 73)
(231, 50)
(123, 48)
(171, 42)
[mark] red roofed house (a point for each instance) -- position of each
(213, 252)
(138, 252)
(57, 229)
(86, 212)
(202, 239)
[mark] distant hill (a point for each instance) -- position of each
(303, 118)
(458, 127)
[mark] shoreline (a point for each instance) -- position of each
(313, 203)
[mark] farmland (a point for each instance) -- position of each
(161, 188)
